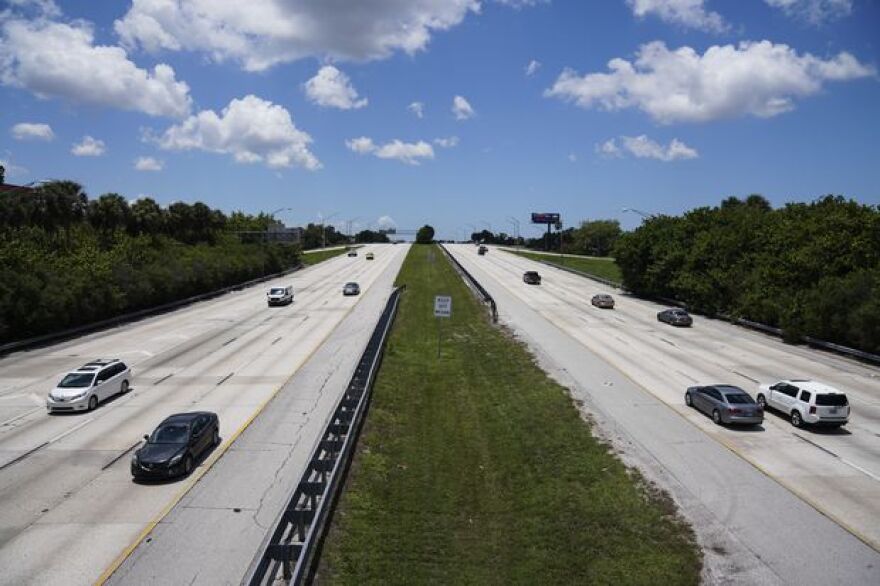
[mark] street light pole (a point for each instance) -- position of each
(324, 228)
(639, 212)
(515, 223)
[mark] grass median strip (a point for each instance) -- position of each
(605, 268)
(476, 468)
(313, 258)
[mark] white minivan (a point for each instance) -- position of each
(806, 401)
(280, 295)
(88, 385)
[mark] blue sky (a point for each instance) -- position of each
(306, 105)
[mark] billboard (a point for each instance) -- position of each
(547, 218)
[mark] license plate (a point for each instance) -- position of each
(833, 409)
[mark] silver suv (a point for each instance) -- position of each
(806, 401)
(82, 389)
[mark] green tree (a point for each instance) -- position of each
(596, 237)
(425, 235)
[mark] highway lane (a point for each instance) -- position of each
(625, 365)
(69, 506)
(212, 534)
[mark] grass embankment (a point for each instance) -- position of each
(313, 258)
(605, 268)
(476, 468)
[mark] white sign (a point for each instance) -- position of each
(442, 306)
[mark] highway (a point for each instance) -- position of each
(771, 504)
(69, 506)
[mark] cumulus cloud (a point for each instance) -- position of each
(58, 60)
(250, 129)
(405, 152)
(331, 88)
(462, 109)
(32, 131)
(261, 33)
(446, 143)
(532, 67)
(643, 147)
(754, 78)
(148, 164)
(385, 222)
(686, 13)
(417, 108)
(89, 147)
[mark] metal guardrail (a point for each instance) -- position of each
(485, 297)
(126, 317)
(295, 539)
(739, 321)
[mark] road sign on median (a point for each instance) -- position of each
(442, 306)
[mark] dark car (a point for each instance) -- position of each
(482, 250)
(352, 253)
(675, 317)
(532, 278)
(603, 300)
(725, 404)
(175, 445)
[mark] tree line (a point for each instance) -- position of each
(811, 269)
(67, 260)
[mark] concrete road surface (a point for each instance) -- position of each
(68, 506)
(769, 504)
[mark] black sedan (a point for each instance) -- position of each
(532, 278)
(675, 317)
(174, 447)
(725, 404)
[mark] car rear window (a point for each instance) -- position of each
(836, 400)
(739, 399)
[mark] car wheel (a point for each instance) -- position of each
(716, 417)
(124, 388)
(187, 465)
(93, 403)
(687, 400)
(762, 402)
(216, 439)
(796, 419)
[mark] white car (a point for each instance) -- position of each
(806, 401)
(88, 385)
(280, 295)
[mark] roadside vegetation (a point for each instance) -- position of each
(605, 268)
(66, 260)
(812, 269)
(313, 258)
(476, 468)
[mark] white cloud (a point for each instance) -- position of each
(43, 7)
(643, 147)
(814, 11)
(250, 129)
(417, 108)
(89, 147)
(148, 164)
(261, 33)
(57, 60)
(332, 88)
(12, 170)
(385, 222)
(532, 67)
(462, 108)
(32, 131)
(687, 13)
(609, 148)
(572, 157)
(753, 78)
(405, 152)
(446, 143)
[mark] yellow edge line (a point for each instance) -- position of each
(120, 559)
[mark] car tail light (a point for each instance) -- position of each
(812, 409)
(734, 410)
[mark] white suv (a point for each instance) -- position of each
(806, 401)
(88, 385)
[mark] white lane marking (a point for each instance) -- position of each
(859, 468)
(71, 430)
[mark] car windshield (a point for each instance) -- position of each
(836, 400)
(276, 291)
(351, 285)
(678, 313)
(170, 433)
(76, 380)
(739, 399)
